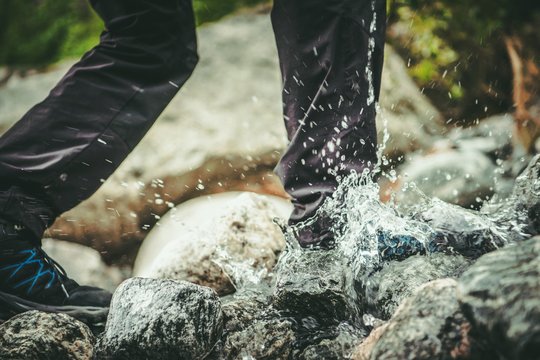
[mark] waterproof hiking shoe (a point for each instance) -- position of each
(398, 247)
(31, 280)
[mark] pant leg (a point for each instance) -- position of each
(331, 56)
(61, 151)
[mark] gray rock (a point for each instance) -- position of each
(383, 291)
(40, 336)
(463, 231)
(428, 325)
(493, 136)
(161, 319)
(311, 283)
(253, 330)
(526, 197)
(337, 348)
(464, 178)
(83, 264)
(500, 295)
(264, 339)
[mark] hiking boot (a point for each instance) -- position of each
(31, 280)
(398, 247)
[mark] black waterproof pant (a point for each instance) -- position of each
(62, 150)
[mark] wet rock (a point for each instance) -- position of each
(337, 348)
(363, 351)
(464, 178)
(83, 264)
(311, 283)
(428, 325)
(383, 291)
(500, 295)
(264, 339)
(525, 198)
(463, 231)
(254, 330)
(40, 336)
(161, 319)
(223, 241)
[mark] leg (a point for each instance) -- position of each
(331, 55)
(59, 153)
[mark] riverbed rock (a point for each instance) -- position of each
(383, 291)
(525, 198)
(463, 231)
(428, 325)
(161, 319)
(224, 241)
(464, 178)
(500, 295)
(41, 336)
(311, 283)
(83, 264)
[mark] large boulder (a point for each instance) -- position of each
(83, 264)
(428, 325)
(382, 292)
(500, 295)
(161, 319)
(222, 241)
(41, 336)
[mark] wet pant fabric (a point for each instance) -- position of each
(64, 148)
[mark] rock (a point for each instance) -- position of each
(41, 336)
(161, 319)
(428, 325)
(311, 283)
(464, 178)
(253, 330)
(229, 143)
(363, 351)
(382, 292)
(337, 348)
(500, 295)
(463, 231)
(264, 339)
(493, 136)
(83, 264)
(222, 241)
(525, 198)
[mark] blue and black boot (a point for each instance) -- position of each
(31, 280)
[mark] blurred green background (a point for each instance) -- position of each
(455, 49)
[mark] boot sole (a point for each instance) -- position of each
(11, 305)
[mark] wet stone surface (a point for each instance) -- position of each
(383, 291)
(39, 336)
(311, 283)
(428, 325)
(500, 295)
(161, 319)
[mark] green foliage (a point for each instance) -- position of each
(36, 33)
(455, 49)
